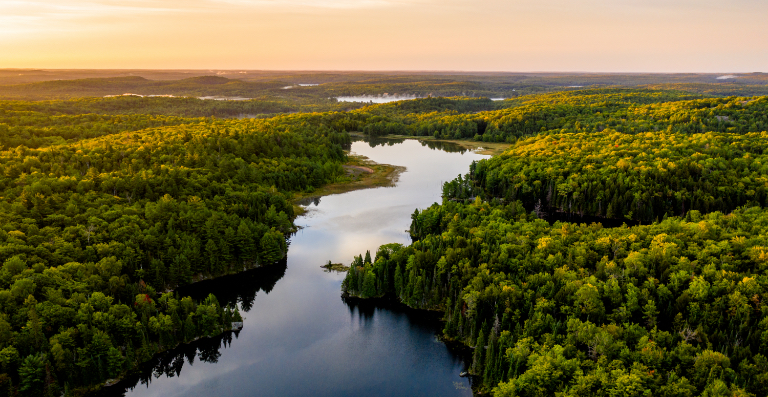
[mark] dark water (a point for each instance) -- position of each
(300, 338)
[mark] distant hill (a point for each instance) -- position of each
(99, 87)
(29, 84)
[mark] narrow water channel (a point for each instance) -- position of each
(300, 338)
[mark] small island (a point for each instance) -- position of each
(335, 267)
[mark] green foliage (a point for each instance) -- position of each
(613, 175)
(48, 84)
(671, 158)
(32, 374)
(577, 308)
(34, 129)
(96, 220)
(133, 106)
(106, 201)
(628, 111)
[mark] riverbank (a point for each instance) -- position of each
(295, 319)
(359, 173)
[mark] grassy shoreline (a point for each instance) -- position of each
(361, 173)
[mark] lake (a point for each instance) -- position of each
(375, 99)
(385, 99)
(300, 338)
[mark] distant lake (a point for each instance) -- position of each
(375, 99)
(214, 98)
(288, 87)
(385, 99)
(224, 98)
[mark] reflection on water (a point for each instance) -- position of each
(299, 337)
(445, 146)
(238, 288)
(235, 289)
(169, 364)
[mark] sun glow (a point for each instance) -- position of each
(559, 35)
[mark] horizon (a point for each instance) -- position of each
(425, 71)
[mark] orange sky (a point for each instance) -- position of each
(495, 35)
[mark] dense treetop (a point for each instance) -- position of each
(182, 106)
(106, 213)
(670, 307)
(643, 176)
(623, 110)
(109, 204)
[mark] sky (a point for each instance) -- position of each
(441, 35)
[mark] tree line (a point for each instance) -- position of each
(642, 177)
(629, 111)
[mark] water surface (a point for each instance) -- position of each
(375, 99)
(300, 338)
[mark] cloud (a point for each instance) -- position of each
(22, 17)
(53, 9)
(41, 16)
(330, 4)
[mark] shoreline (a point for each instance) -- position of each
(112, 387)
(361, 173)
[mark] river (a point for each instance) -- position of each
(300, 338)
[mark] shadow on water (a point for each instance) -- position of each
(233, 289)
(238, 288)
(307, 201)
(171, 362)
(365, 310)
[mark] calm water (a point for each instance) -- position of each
(300, 338)
(375, 99)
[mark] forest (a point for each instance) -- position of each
(114, 208)
(670, 306)
(27, 84)
(106, 216)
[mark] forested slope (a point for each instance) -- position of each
(63, 84)
(644, 176)
(106, 215)
(108, 203)
(670, 307)
(622, 110)
(35, 129)
(643, 164)
(182, 107)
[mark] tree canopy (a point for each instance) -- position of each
(671, 306)
(104, 215)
